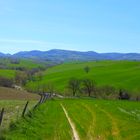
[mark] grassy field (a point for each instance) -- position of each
(28, 64)
(119, 74)
(24, 63)
(7, 73)
(45, 124)
(93, 119)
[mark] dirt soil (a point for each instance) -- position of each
(13, 94)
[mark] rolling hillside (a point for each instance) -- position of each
(67, 55)
(119, 74)
(12, 63)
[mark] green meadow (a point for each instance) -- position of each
(10, 74)
(93, 119)
(119, 74)
(23, 63)
(29, 64)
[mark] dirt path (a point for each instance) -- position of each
(92, 125)
(75, 134)
(115, 129)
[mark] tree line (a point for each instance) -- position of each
(21, 77)
(88, 87)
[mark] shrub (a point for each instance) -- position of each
(87, 69)
(106, 92)
(5, 82)
(123, 95)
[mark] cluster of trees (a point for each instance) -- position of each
(21, 77)
(45, 88)
(4, 63)
(15, 61)
(89, 88)
(85, 86)
(42, 88)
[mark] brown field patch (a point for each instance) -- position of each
(13, 94)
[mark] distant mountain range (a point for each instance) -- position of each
(66, 55)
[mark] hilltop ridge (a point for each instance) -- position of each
(69, 55)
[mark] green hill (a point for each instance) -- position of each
(119, 74)
(11, 63)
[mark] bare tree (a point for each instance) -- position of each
(89, 86)
(6, 82)
(42, 88)
(20, 77)
(87, 69)
(39, 76)
(74, 85)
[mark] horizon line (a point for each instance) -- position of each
(68, 50)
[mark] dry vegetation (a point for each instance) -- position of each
(13, 102)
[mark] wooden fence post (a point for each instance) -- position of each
(40, 101)
(44, 98)
(25, 108)
(1, 116)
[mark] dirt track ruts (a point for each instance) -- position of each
(75, 134)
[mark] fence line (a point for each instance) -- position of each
(25, 108)
(1, 116)
(43, 98)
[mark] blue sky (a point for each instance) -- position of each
(84, 25)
